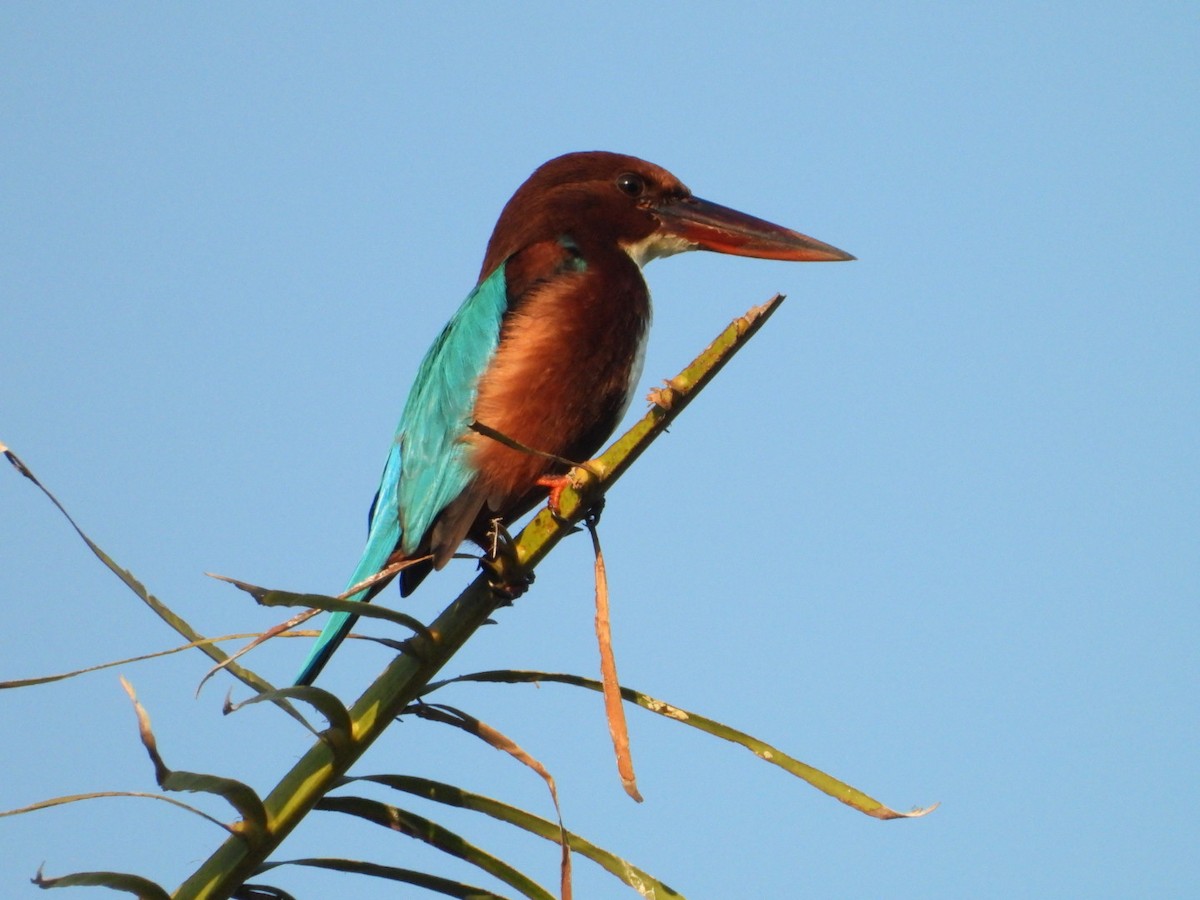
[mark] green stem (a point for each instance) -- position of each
(407, 675)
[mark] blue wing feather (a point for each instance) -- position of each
(427, 466)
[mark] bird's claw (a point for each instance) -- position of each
(592, 516)
(501, 578)
(501, 563)
(559, 483)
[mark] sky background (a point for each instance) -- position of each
(933, 531)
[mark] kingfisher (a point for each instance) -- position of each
(546, 351)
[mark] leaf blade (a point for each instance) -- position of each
(822, 781)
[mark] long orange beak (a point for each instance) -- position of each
(715, 227)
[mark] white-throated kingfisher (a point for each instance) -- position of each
(546, 350)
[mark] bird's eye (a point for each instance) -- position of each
(632, 184)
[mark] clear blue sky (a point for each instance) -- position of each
(934, 531)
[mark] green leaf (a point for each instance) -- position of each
(271, 597)
(392, 873)
(439, 792)
(261, 892)
(100, 795)
(160, 608)
(240, 796)
(143, 888)
(327, 704)
(448, 715)
(435, 835)
(839, 790)
(63, 676)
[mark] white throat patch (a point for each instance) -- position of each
(656, 246)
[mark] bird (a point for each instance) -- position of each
(546, 351)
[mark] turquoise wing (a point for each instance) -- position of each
(426, 468)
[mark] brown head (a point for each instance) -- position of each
(625, 201)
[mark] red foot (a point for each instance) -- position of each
(557, 484)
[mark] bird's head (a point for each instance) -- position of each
(640, 207)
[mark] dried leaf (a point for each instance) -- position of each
(614, 710)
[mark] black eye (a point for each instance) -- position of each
(632, 184)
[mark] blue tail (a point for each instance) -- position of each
(381, 541)
(434, 469)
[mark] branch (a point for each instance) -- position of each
(406, 676)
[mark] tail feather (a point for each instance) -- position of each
(432, 429)
(382, 539)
